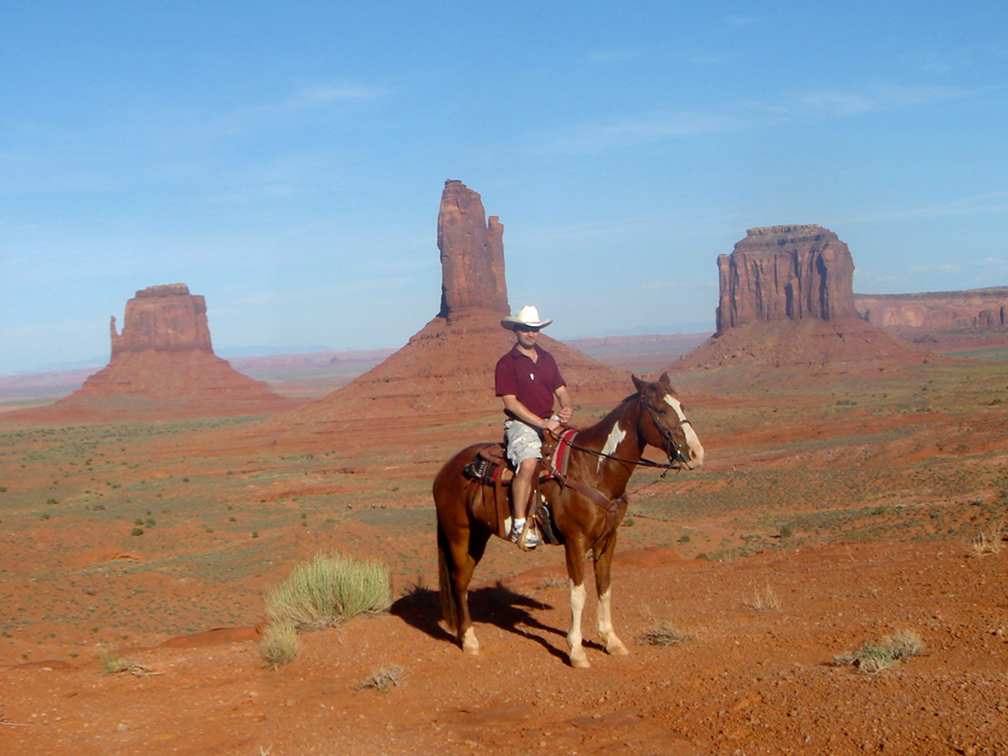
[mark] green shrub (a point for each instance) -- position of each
(328, 591)
(279, 645)
(874, 657)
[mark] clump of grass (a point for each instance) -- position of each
(985, 544)
(113, 664)
(327, 591)
(872, 658)
(764, 599)
(318, 594)
(279, 645)
(663, 635)
(551, 581)
(383, 680)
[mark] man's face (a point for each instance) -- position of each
(527, 337)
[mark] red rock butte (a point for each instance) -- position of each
(163, 365)
(786, 300)
(448, 366)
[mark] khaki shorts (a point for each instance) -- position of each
(523, 442)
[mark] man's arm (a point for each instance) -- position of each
(523, 413)
(566, 411)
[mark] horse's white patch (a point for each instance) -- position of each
(616, 435)
(692, 442)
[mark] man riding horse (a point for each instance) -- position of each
(527, 379)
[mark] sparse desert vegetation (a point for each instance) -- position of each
(894, 503)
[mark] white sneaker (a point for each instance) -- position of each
(532, 538)
(517, 526)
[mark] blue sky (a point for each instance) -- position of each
(286, 160)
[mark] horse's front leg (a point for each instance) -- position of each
(575, 550)
(603, 587)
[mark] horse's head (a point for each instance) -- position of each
(664, 424)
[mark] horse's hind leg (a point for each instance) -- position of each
(467, 561)
(603, 587)
(460, 554)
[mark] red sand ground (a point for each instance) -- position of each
(746, 680)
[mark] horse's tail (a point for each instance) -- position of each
(449, 610)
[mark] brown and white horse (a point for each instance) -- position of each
(586, 510)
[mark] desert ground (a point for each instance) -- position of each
(832, 512)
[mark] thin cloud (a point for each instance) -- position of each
(322, 94)
(876, 96)
(630, 132)
(994, 203)
(740, 116)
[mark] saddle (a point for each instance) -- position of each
(491, 469)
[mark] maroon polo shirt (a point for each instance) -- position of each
(532, 383)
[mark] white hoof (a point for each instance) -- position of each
(469, 643)
(615, 647)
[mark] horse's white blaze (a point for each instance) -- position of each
(692, 442)
(616, 436)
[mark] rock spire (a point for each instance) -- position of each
(472, 255)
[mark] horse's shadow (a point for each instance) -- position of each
(492, 605)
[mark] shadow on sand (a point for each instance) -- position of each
(493, 605)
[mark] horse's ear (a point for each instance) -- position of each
(664, 380)
(640, 384)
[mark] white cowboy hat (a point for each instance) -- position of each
(527, 316)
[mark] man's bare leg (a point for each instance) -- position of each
(521, 489)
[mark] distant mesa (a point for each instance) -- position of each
(163, 365)
(163, 319)
(447, 367)
(786, 300)
(785, 273)
(911, 315)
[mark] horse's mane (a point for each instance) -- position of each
(602, 427)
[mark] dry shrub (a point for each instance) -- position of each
(874, 657)
(663, 635)
(113, 664)
(383, 680)
(764, 599)
(986, 544)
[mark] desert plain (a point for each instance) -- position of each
(833, 511)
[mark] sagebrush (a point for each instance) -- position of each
(322, 593)
(327, 591)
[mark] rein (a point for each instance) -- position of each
(611, 507)
(672, 451)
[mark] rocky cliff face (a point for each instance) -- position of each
(472, 255)
(163, 318)
(785, 273)
(937, 312)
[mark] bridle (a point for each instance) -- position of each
(675, 456)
